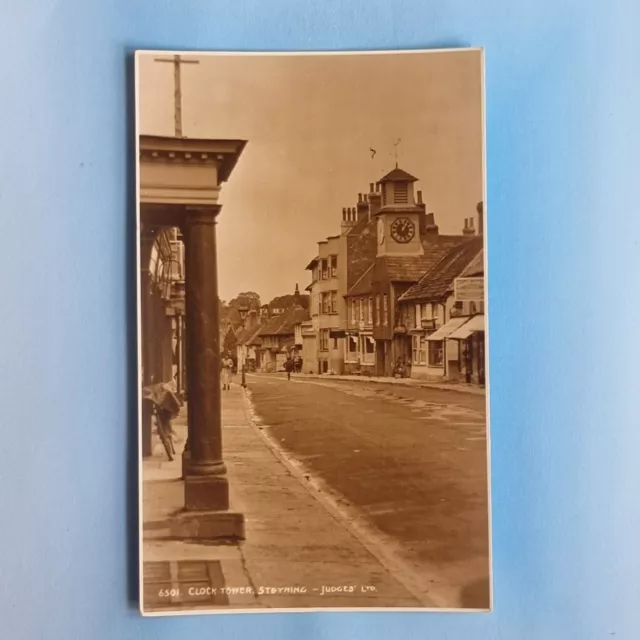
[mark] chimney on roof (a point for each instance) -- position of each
(419, 196)
(468, 229)
(375, 199)
(362, 210)
(480, 210)
(347, 219)
(430, 223)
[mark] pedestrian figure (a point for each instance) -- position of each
(297, 362)
(227, 367)
(288, 367)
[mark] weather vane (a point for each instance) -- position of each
(395, 150)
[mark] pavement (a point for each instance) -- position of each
(461, 387)
(302, 550)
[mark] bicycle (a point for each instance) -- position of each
(164, 430)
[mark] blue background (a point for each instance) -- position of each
(563, 100)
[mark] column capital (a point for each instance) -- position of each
(201, 215)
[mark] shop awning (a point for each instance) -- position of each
(446, 329)
(473, 325)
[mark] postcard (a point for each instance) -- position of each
(313, 368)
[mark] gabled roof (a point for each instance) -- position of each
(285, 323)
(475, 267)
(363, 285)
(248, 334)
(412, 268)
(398, 175)
(438, 280)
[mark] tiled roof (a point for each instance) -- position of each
(248, 334)
(412, 268)
(398, 175)
(363, 285)
(435, 283)
(284, 324)
(475, 267)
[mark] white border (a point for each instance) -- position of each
(192, 612)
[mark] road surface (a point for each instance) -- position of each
(412, 462)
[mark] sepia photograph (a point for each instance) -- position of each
(312, 332)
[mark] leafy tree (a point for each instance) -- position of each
(230, 342)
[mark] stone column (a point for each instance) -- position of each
(206, 484)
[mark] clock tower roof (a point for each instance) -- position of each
(398, 175)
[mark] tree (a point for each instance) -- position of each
(230, 342)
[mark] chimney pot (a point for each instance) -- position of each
(419, 194)
(371, 187)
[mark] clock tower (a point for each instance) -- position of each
(398, 226)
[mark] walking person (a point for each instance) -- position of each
(288, 366)
(226, 372)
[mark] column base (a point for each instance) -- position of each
(186, 459)
(206, 493)
(208, 525)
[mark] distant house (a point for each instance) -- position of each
(278, 339)
(249, 341)
(428, 314)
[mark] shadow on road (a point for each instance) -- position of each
(476, 595)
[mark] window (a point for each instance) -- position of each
(335, 343)
(320, 304)
(353, 311)
(324, 340)
(436, 355)
(419, 350)
(418, 316)
(333, 302)
(427, 311)
(370, 310)
(361, 307)
(369, 344)
(325, 273)
(435, 312)
(385, 310)
(326, 302)
(352, 348)
(378, 310)
(334, 266)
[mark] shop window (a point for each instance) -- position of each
(436, 353)
(419, 353)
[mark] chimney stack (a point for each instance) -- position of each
(430, 223)
(468, 227)
(362, 210)
(419, 196)
(374, 199)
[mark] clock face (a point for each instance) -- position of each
(402, 230)
(380, 231)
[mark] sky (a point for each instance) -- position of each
(310, 122)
